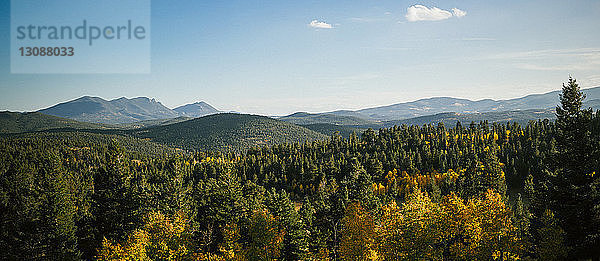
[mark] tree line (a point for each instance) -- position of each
(483, 191)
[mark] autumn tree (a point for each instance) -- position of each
(357, 242)
(265, 237)
(411, 231)
(159, 239)
(454, 229)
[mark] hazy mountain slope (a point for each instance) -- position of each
(595, 104)
(150, 123)
(450, 118)
(304, 118)
(16, 122)
(122, 110)
(426, 107)
(437, 105)
(228, 132)
(196, 110)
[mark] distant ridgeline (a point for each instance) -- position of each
(123, 110)
(148, 119)
(432, 110)
(480, 191)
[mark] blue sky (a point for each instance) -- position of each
(265, 57)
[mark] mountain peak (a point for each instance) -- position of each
(89, 98)
(299, 114)
(120, 110)
(197, 109)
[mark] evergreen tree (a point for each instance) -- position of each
(571, 190)
(295, 244)
(117, 208)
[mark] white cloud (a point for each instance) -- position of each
(320, 25)
(458, 13)
(423, 13)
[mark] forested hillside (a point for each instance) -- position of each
(228, 132)
(76, 139)
(152, 123)
(303, 118)
(485, 191)
(16, 122)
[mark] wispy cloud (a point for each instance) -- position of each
(478, 39)
(592, 80)
(458, 13)
(320, 24)
(548, 53)
(423, 13)
(575, 59)
(392, 48)
(366, 19)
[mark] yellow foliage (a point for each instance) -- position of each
(266, 237)
(408, 182)
(231, 248)
(408, 233)
(159, 239)
(454, 229)
(357, 240)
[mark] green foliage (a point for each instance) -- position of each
(228, 133)
(15, 122)
(84, 141)
(303, 118)
(38, 205)
(331, 129)
(404, 192)
(160, 238)
(573, 192)
(551, 238)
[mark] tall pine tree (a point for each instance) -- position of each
(571, 190)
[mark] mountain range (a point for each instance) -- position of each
(431, 106)
(143, 112)
(124, 110)
(199, 126)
